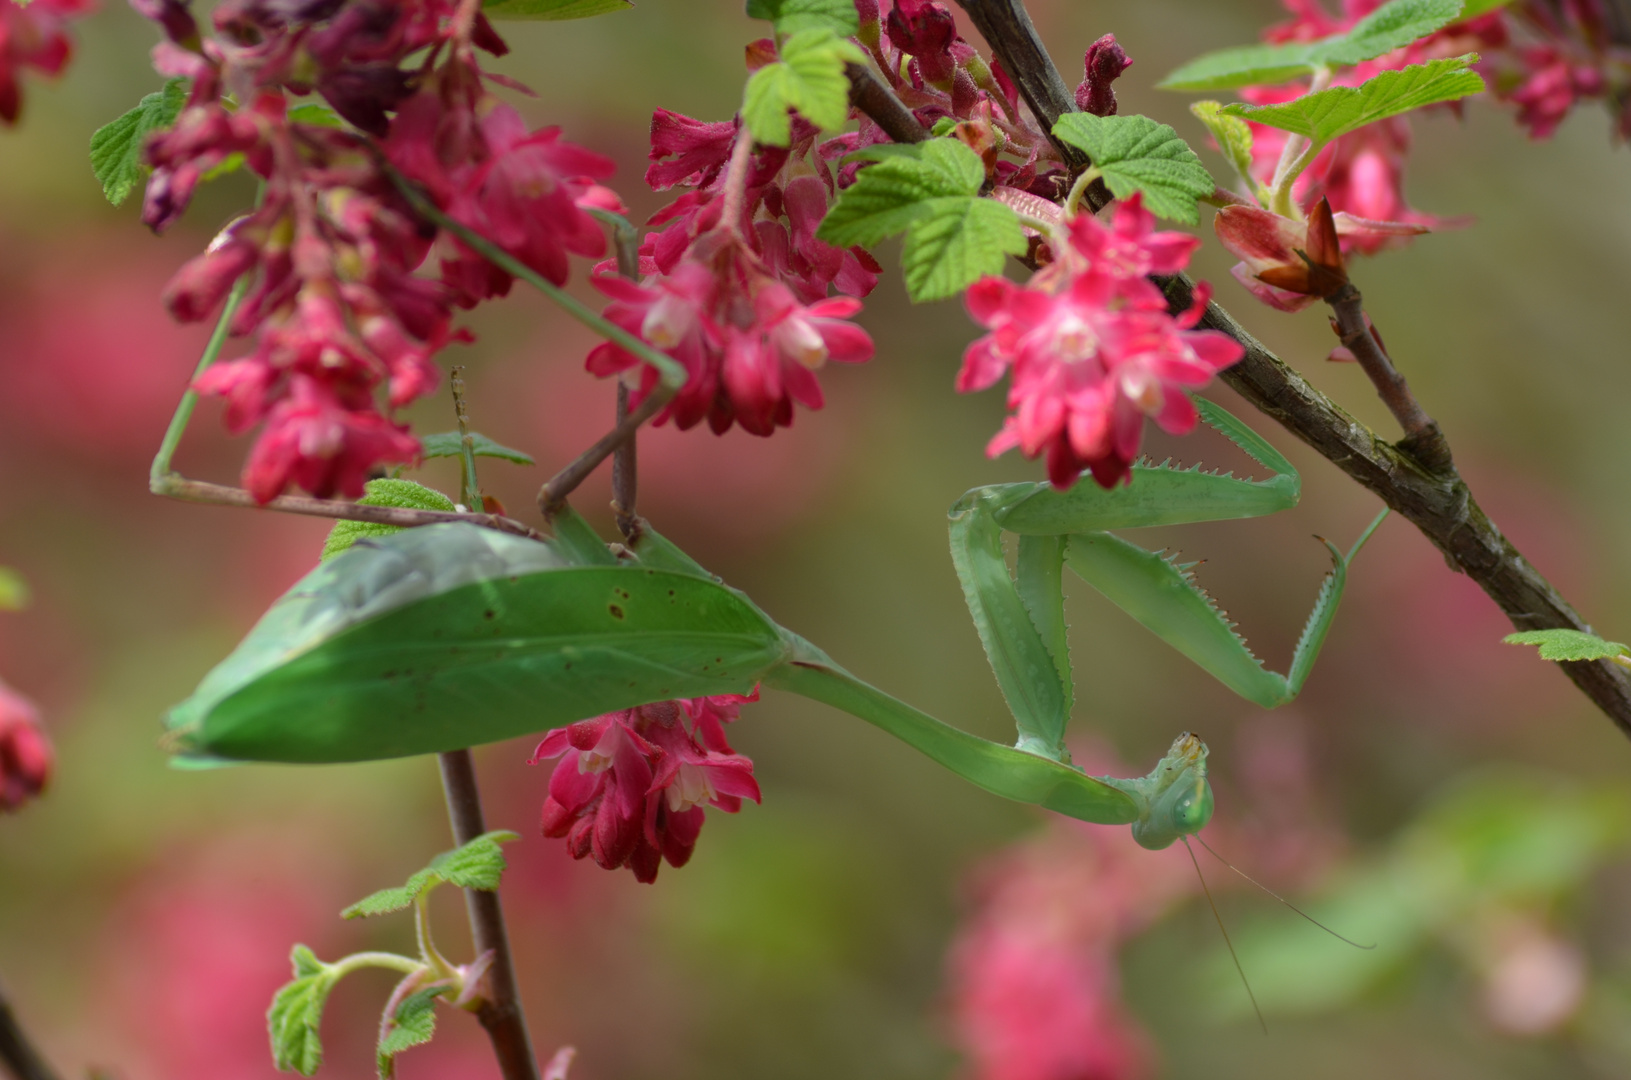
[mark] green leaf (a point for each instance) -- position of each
(448, 444)
(117, 147)
(1134, 153)
(1233, 134)
(1476, 8)
(13, 590)
(383, 492)
(896, 191)
(553, 10)
(1389, 27)
(412, 1024)
(791, 16)
(956, 243)
(810, 78)
(1568, 645)
(1334, 112)
(297, 1011)
(478, 864)
(399, 898)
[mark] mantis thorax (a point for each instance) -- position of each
(1175, 799)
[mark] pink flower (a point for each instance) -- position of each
(322, 443)
(1555, 81)
(33, 36)
(925, 31)
(630, 786)
(25, 753)
(1091, 348)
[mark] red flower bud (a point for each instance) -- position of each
(25, 753)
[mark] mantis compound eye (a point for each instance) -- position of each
(1193, 810)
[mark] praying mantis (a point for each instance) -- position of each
(450, 635)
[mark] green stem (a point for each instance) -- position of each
(427, 945)
(189, 400)
(1001, 770)
(1074, 200)
(671, 373)
(390, 961)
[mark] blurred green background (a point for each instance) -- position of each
(146, 914)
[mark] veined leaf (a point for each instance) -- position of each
(412, 1023)
(297, 1012)
(957, 242)
(451, 444)
(383, 492)
(1134, 153)
(1568, 645)
(1389, 27)
(553, 10)
(930, 191)
(791, 16)
(809, 78)
(117, 147)
(476, 865)
(1334, 112)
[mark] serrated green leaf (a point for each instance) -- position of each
(1334, 112)
(809, 78)
(383, 492)
(412, 1024)
(477, 865)
(552, 10)
(448, 444)
(959, 241)
(1389, 27)
(896, 191)
(791, 16)
(1134, 153)
(386, 901)
(297, 1012)
(117, 147)
(1233, 134)
(1568, 644)
(13, 590)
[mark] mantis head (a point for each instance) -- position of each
(1177, 799)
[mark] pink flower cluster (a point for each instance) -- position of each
(735, 286)
(1033, 974)
(25, 753)
(1091, 347)
(338, 309)
(630, 786)
(33, 35)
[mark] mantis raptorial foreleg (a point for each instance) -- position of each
(1019, 615)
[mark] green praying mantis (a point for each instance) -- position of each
(451, 635)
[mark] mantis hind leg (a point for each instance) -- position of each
(1162, 594)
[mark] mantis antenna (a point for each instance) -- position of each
(1219, 917)
(1280, 898)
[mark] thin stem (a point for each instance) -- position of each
(501, 1012)
(552, 498)
(1298, 151)
(736, 182)
(189, 398)
(407, 965)
(17, 1052)
(469, 486)
(1073, 201)
(1006, 27)
(1422, 435)
(625, 459)
(176, 487)
(427, 943)
(875, 99)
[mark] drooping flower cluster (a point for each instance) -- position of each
(1033, 972)
(1091, 348)
(630, 786)
(336, 307)
(33, 35)
(25, 753)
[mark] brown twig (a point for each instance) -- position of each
(17, 1052)
(501, 1012)
(552, 499)
(177, 487)
(871, 96)
(1422, 438)
(1437, 502)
